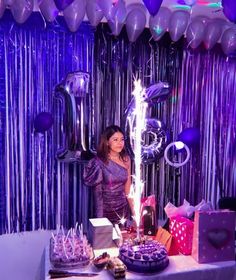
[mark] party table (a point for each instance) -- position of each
(180, 268)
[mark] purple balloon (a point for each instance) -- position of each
(203, 19)
(153, 6)
(117, 18)
(106, 6)
(133, 6)
(43, 122)
(94, 12)
(74, 14)
(9, 3)
(229, 9)
(190, 136)
(190, 2)
(159, 23)
(21, 10)
(2, 8)
(225, 24)
(135, 24)
(212, 33)
(195, 33)
(228, 41)
(48, 9)
(62, 4)
(178, 24)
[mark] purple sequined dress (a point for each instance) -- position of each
(108, 181)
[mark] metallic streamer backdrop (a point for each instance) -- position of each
(38, 192)
(35, 189)
(204, 96)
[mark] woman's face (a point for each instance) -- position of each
(116, 142)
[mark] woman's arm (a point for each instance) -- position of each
(93, 176)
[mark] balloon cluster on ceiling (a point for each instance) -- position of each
(197, 30)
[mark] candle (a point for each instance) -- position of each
(64, 248)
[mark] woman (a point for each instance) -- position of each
(109, 174)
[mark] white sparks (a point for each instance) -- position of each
(122, 220)
(137, 125)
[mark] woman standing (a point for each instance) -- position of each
(110, 175)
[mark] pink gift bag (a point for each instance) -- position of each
(181, 229)
(213, 237)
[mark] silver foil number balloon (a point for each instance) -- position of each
(155, 135)
(73, 94)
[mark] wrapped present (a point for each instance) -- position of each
(100, 233)
(213, 237)
(181, 229)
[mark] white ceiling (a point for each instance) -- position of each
(209, 8)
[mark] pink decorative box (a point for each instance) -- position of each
(181, 229)
(213, 237)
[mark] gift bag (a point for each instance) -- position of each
(213, 237)
(181, 229)
(148, 214)
(165, 238)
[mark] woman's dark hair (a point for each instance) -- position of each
(103, 148)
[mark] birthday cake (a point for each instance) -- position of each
(70, 251)
(148, 256)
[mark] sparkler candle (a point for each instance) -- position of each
(76, 226)
(137, 128)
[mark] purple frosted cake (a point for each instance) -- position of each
(70, 252)
(150, 256)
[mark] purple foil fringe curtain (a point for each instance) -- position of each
(34, 186)
(209, 102)
(38, 192)
(117, 62)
